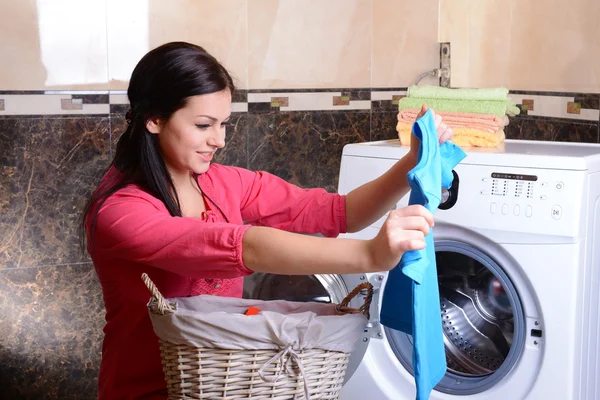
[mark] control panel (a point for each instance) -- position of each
(527, 200)
(516, 194)
(524, 200)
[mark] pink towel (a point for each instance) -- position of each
(485, 122)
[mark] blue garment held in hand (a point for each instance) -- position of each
(411, 300)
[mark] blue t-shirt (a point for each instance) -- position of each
(411, 301)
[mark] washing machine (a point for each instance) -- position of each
(517, 242)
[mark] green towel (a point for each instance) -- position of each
(499, 108)
(437, 92)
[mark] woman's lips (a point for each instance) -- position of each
(206, 156)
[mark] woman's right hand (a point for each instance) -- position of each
(404, 230)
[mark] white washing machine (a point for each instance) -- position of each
(518, 257)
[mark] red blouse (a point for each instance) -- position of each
(185, 257)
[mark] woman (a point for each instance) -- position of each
(198, 228)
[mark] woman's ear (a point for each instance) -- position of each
(154, 125)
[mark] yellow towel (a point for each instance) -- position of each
(463, 137)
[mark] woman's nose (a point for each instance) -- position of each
(217, 138)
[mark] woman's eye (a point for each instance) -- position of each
(203, 126)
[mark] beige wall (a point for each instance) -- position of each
(549, 45)
(265, 43)
(545, 45)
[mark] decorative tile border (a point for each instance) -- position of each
(53, 104)
(569, 106)
(119, 102)
(575, 106)
(386, 100)
(311, 100)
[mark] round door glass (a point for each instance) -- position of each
(482, 319)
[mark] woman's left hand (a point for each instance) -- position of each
(444, 132)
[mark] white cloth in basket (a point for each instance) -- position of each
(220, 322)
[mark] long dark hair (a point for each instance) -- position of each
(160, 84)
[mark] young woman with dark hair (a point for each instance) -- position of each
(197, 227)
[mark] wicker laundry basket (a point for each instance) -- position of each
(215, 354)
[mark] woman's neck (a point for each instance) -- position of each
(180, 179)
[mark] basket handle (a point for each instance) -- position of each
(158, 304)
(364, 309)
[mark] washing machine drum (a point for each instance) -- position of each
(476, 315)
(482, 319)
(318, 288)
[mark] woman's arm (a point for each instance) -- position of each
(132, 227)
(275, 251)
(367, 203)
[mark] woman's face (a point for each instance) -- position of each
(189, 139)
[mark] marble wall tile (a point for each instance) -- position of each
(405, 42)
(53, 45)
(304, 148)
(479, 34)
(49, 167)
(552, 129)
(118, 125)
(137, 26)
(235, 152)
(555, 45)
(383, 126)
(309, 43)
(51, 321)
(550, 45)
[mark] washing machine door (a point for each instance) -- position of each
(305, 288)
(482, 314)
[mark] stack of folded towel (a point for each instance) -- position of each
(477, 116)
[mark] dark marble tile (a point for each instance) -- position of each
(261, 108)
(383, 126)
(48, 170)
(390, 89)
(546, 93)
(51, 321)
(119, 109)
(357, 94)
(588, 101)
(240, 96)
(562, 130)
(53, 116)
(22, 92)
(384, 106)
(304, 148)
(236, 150)
(92, 98)
(118, 125)
(304, 90)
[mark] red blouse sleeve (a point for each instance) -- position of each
(270, 201)
(132, 226)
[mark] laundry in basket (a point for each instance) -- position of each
(211, 349)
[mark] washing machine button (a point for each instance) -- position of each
(517, 210)
(528, 211)
(504, 209)
(493, 208)
(556, 212)
(559, 186)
